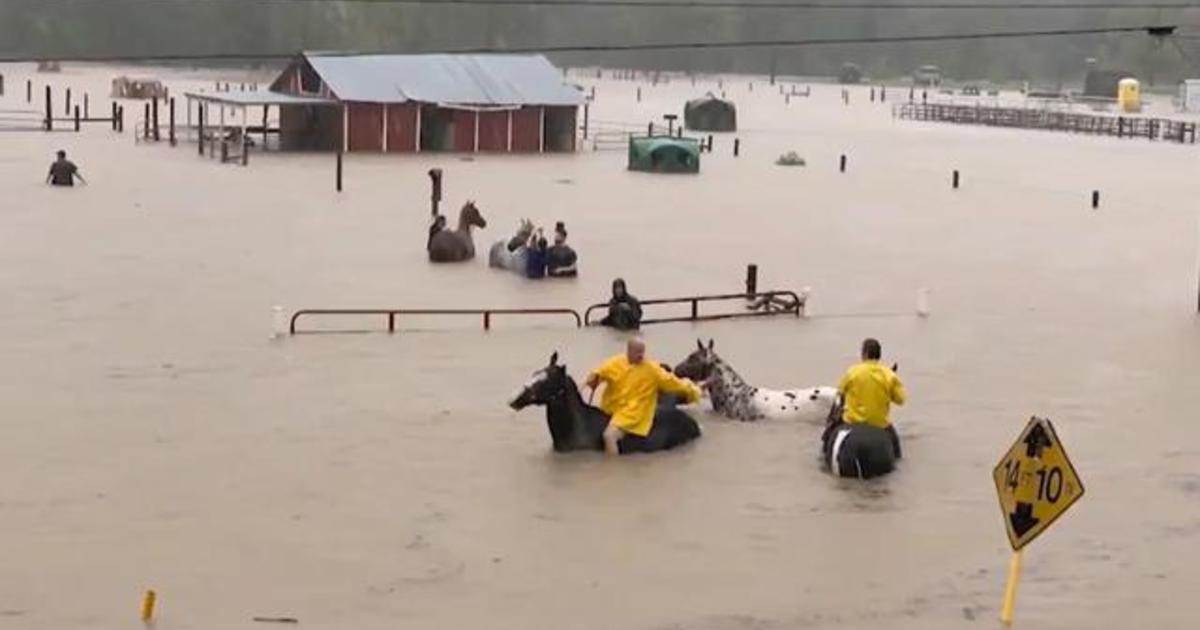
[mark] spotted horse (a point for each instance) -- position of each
(734, 398)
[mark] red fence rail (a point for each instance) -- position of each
(392, 314)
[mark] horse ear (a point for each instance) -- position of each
(554, 358)
(699, 344)
(710, 344)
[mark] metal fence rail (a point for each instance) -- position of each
(392, 314)
(770, 303)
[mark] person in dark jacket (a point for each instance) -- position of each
(624, 310)
(439, 224)
(560, 258)
(63, 172)
(535, 256)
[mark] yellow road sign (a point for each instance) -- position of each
(1035, 482)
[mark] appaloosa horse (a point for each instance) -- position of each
(511, 254)
(456, 245)
(577, 426)
(733, 398)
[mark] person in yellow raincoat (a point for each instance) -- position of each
(631, 391)
(868, 391)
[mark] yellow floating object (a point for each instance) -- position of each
(148, 605)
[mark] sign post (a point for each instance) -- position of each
(1036, 484)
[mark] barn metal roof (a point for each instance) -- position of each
(472, 80)
(241, 99)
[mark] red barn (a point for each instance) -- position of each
(406, 103)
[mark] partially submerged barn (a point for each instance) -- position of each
(408, 103)
(516, 103)
(710, 114)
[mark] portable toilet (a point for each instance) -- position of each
(1189, 95)
(1129, 95)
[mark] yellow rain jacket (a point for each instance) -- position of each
(869, 388)
(631, 391)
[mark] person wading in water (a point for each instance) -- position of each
(63, 172)
(632, 384)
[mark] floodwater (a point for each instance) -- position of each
(153, 436)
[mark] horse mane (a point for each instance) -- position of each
(722, 368)
(570, 418)
(463, 226)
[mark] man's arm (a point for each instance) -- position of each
(80, 176)
(844, 383)
(604, 373)
(672, 384)
(898, 394)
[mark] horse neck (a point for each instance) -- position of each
(731, 378)
(571, 419)
(464, 226)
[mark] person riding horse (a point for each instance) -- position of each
(860, 440)
(632, 384)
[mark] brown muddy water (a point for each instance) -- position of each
(153, 436)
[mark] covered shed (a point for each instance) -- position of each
(1101, 83)
(440, 102)
(227, 116)
(664, 154)
(710, 114)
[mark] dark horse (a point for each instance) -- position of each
(577, 426)
(857, 450)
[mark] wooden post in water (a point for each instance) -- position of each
(87, 113)
(171, 121)
(200, 127)
(146, 122)
(28, 90)
(752, 280)
(955, 184)
(339, 170)
(245, 150)
(113, 120)
(157, 137)
(67, 108)
(121, 119)
(842, 164)
(76, 119)
(49, 110)
(435, 189)
(585, 121)
(1, 85)
(266, 111)
(737, 146)
(1095, 199)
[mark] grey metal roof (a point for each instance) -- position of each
(467, 80)
(259, 98)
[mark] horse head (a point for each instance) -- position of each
(700, 364)
(548, 384)
(524, 229)
(469, 216)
